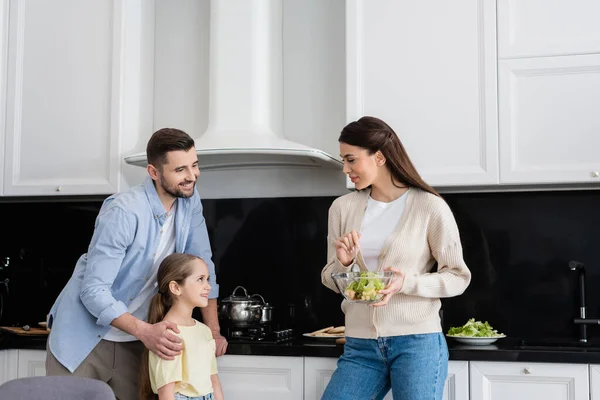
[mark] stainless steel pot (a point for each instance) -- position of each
(266, 310)
(240, 310)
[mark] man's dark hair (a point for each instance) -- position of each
(166, 140)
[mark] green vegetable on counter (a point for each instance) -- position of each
(365, 288)
(474, 329)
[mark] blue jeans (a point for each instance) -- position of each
(179, 396)
(415, 367)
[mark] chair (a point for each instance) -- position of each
(55, 388)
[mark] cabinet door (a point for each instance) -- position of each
(9, 361)
(526, 381)
(545, 28)
(69, 96)
(261, 377)
(457, 384)
(428, 68)
(594, 382)
(317, 373)
(31, 363)
(3, 53)
(549, 120)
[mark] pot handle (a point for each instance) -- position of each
(240, 287)
(262, 298)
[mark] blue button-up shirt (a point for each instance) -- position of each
(118, 263)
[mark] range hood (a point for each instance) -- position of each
(245, 127)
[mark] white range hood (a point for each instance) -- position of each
(245, 128)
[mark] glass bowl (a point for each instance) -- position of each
(362, 287)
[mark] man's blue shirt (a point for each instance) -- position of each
(117, 265)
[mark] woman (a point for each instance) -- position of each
(396, 222)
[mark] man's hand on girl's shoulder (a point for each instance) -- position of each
(160, 339)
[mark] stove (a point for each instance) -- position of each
(258, 333)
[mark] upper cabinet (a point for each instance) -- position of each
(429, 70)
(471, 113)
(69, 95)
(534, 28)
(549, 91)
(549, 119)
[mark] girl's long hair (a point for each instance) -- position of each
(175, 267)
(375, 135)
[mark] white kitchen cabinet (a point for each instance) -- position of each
(261, 377)
(9, 362)
(457, 384)
(549, 120)
(594, 382)
(72, 90)
(31, 363)
(21, 364)
(318, 371)
(526, 381)
(535, 28)
(429, 70)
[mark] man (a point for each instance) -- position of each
(98, 327)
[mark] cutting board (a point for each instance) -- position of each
(33, 331)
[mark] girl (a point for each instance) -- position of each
(405, 227)
(192, 375)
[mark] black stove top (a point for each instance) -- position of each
(258, 333)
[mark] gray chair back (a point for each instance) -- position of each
(55, 388)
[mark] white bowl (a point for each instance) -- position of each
(476, 341)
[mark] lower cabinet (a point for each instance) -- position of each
(31, 363)
(318, 371)
(526, 381)
(261, 377)
(594, 382)
(21, 364)
(298, 378)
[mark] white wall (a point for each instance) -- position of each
(314, 93)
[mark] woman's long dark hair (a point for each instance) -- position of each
(374, 135)
(175, 267)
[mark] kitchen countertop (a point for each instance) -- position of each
(503, 350)
(10, 341)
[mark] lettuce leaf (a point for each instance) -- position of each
(474, 329)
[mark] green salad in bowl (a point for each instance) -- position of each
(475, 333)
(362, 287)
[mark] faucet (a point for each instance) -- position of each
(6, 263)
(583, 321)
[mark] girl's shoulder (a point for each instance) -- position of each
(203, 329)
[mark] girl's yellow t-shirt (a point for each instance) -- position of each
(191, 370)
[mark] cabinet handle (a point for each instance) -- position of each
(595, 174)
(527, 370)
(58, 188)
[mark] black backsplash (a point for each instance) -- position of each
(517, 246)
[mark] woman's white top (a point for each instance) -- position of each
(379, 221)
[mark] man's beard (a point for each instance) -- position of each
(176, 192)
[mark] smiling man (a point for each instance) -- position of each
(98, 323)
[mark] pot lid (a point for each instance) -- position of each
(239, 299)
